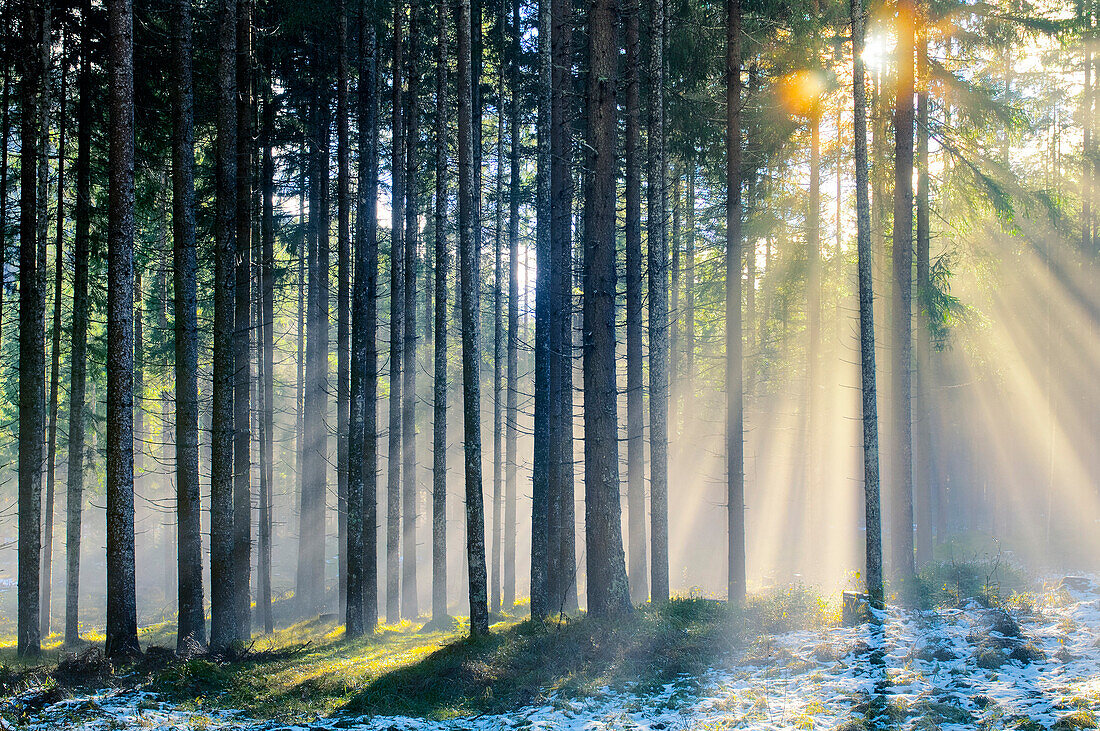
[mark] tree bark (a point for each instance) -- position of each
(922, 479)
(868, 390)
(223, 627)
(121, 628)
(471, 333)
(608, 589)
(735, 407)
(635, 417)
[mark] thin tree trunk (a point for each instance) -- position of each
(223, 627)
(267, 334)
(439, 390)
(5, 131)
(397, 329)
(540, 475)
(300, 578)
(121, 628)
(343, 303)
(471, 332)
(55, 364)
(32, 353)
(498, 338)
(869, 393)
(510, 483)
(78, 352)
(658, 310)
(735, 407)
(608, 589)
(635, 417)
(409, 603)
(689, 287)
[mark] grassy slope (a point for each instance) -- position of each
(309, 669)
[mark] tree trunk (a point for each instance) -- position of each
(409, 603)
(343, 303)
(735, 406)
(540, 463)
(471, 334)
(510, 483)
(32, 353)
(223, 628)
(439, 390)
(5, 131)
(74, 499)
(365, 318)
(901, 312)
(868, 390)
(922, 483)
(121, 628)
(397, 329)
(608, 589)
(267, 334)
(498, 336)
(242, 352)
(55, 363)
(658, 310)
(635, 418)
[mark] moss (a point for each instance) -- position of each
(1083, 718)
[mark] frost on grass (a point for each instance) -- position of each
(1033, 667)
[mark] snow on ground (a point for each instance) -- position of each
(948, 669)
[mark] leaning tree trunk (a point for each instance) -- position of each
(78, 362)
(901, 311)
(121, 628)
(32, 353)
(635, 417)
(223, 628)
(608, 589)
(735, 408)
(397, 330)
(242, 353)
(658, 310)
(868, 390)
(439, 390)
(471, 332)
(409, 604)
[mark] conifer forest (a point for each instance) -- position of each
(550, 364)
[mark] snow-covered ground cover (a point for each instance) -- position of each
(948, 669)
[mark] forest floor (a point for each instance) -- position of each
(781, 662)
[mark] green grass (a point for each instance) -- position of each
(310, 669)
